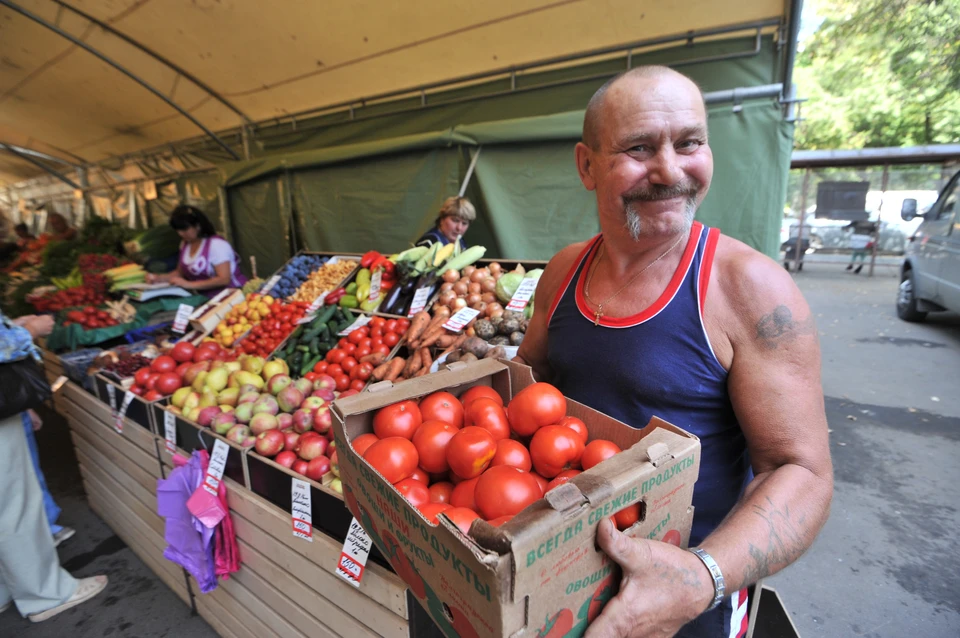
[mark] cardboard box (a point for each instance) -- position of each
(541, 572)
(205, 318)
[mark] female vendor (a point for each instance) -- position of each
(208, 264)
(452, 222)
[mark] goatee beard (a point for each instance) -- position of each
(634, 226)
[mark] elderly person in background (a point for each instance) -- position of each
(60, 230)
(452, 222)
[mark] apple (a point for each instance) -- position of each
(278, 383)
(192, 414)
(300, 467)
(334, 462)
(290, 440)
(289, 398)
(229, 396)
(274, 367)
(180, 396)
(302, 420)
(325, 382)
(286, 458)
(223, 422)
(244, 412)
(285, 421)
(248, 387)
(309, 448)
(304, 385)
(266, 404)
(322, 420)
(207, 414)
(324, 393)
(269, 443)
(318, 467)
(238, 433)
(263, 422)
(248, 397)
(313, 403)
(336, 485)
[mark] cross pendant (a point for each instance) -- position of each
(599, 313)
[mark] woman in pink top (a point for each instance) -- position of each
(208, 263)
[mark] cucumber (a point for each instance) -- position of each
(325, 316)
(308, 366)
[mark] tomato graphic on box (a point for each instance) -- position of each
(672, 537)
(558, 625)
(404, 568)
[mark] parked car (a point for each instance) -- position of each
(930, 274)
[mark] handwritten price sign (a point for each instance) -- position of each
(353, 558)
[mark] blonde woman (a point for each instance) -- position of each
(452, 222)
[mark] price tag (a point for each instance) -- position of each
(306, 319)
(112, 396)
(122, 412)
(218, 461)
(313, 307)
(419, 302)
(301, 509)
(170, 431)
(460, 319)
(183, 318)
(267, 287)
(56, 385)
(523, 294)
(353, 558)
(361, 321)
(205, 307)
(375, 285)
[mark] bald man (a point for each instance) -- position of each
(661, 316)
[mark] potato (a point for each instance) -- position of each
(475, 346)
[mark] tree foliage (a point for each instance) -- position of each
(880, 73)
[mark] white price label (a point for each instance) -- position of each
(361, 321)
(353, 558)
(112, 396)
(218, 461)
(170, 431)
(217, 299)
(183, 318)
(419, 302)
(375, 285)
(460, 319)
(523, 294)
(307, 319)
(313, 307)
(119, 415)
(301, 509)
(267, 287)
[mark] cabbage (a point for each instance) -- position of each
(508, 283)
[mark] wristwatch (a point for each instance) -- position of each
(718, 585)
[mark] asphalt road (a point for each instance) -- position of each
(885, 565)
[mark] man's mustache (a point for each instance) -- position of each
(658, 192)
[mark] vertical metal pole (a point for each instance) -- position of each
(876, 232)
(224, 214)
(803, 215)
(245, 139)
(473, 165)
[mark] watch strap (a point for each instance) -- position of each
(719, 588)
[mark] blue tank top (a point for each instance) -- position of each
(656, 363)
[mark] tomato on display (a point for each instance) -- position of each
(399, 419)
(470, 452)
(394, 457)
(442, 406)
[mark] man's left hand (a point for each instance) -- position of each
(662, 589)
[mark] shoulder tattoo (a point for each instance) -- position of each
(780, 327)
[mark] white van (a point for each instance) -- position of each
(930, 274)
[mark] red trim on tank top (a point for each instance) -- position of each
(706, 265)
(566, 282)
(657, 306)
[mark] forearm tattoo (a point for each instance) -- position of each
(785, 543)
(780, 327)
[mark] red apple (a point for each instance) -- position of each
(324, 393)
(322, 420)
(309, 448)
(300, 466)
(286, 458)
(290, 439)
(318, 467)
(269, 443)
(302, 420)
(325, 382)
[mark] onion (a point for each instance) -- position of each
(478, 275)
(466, 272)
(474, 288)
(488, 297)
(451, 275)
(473, 299)
(488, 285)
(494, 307)
(496, 314)
(445, 286)
(471, 332)
(495, 269)
(460, 288)
(446, 297)
(458, 303)
(482, 307)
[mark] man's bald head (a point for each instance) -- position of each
(594, 112)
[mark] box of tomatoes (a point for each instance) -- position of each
(484, 489)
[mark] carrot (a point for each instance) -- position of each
(380, 372)
(456, 344)
(425, 358)
(414, 363)
(431, 337)
(446, 341)
(417, 325)
(375, 359)
(394, 368)
(422, 372)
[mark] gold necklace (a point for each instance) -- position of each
(598, 315)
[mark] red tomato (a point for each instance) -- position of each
(365, 342)
(441, 492)
(183, 352)
(430, 511)
(335, 356)
(182, 368)
(141, 376)
(402, 326)
(576, 425)
(391, 339)
(164, 363)
(542, 481)
(138, 390)
(478, 392)
(512, 453)
(431, 440)
(376, 322)
(350, 348)
(334, 370)
(362, 442)
(355, 337)
(442, 406)
(555, 448)
(535, 406)
(487, 414)
(343, 341)
(626, 517)
(560, 479)
(376, 342)
(376, 333)
(364, 370)
(421, 475)
(347, 393)
(497, 522)
(414, 491)
(321, 367)
(470, 452)
(390, 326)
(597, 451)
(348, 364)
(361, 352)
(504, 491)
(357, 384)
(311, 376)
(464, 494)
(461, 517)
(400, 419)
(394, 457)
(152, 381)
(168, 383)
(152, 395)
(382, 348)
(343, 382)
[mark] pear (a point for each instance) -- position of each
(229, 396)
(199, 382)
(208, 398)
(217, 379)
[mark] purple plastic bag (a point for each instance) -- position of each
(189, 542)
